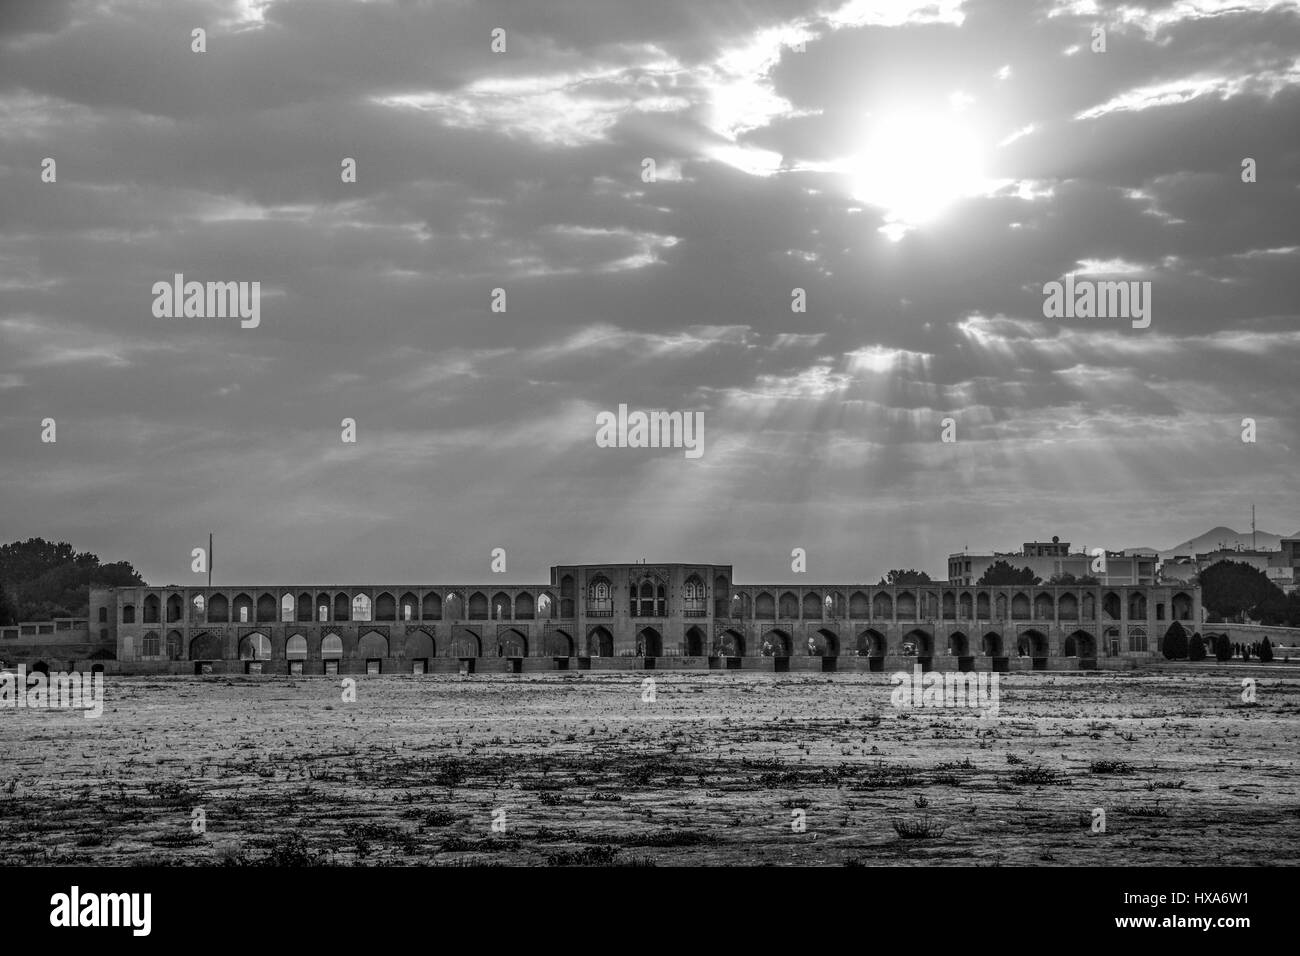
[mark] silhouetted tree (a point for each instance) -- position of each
(911, 576)
(1232, 589)
(1174, 646)
(1222, 648)
(1196, 648)
(1001, 573)
(1265, 650)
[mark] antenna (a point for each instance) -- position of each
(209, 559)
(1252, 526)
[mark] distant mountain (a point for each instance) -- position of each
(1222, 537)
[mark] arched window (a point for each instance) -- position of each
(694, 600)
(296, 648)
(196, 608)
(600, 600)
(150, 646)
(288, 608)
(151, 609)
(361, 608)
(175, 608)
(174, 645)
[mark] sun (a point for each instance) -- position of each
(913, 166)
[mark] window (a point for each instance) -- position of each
(128, 614)
(693, 598)
(243, 614)
(174, 646)
(103, 615)
(151, 648)
(361, 608)
(600, 602)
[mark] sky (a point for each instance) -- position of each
(919, 170)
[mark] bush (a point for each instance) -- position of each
(1196, 648)
(1222, 648)
(1174, 645)
(1265, 650)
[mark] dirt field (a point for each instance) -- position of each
(710, 772)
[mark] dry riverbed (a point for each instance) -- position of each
(577, 768)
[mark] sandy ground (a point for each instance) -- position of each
(712, 771)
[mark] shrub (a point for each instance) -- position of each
(1196, 648)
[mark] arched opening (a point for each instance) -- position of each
(478, 606)
(206, 647)
(991, 644)
(151, 609)
(1089, 607)
(649, 643)
(694, 597)
(1182, 604)
(882, 606)
(546, 606)
(871, 643)
(295, 648)
(1110, 606)
(949, 606)
(731, 643)
(465, 643)
(600, 597)
(255, 647)
(372, 645)
(982, 606)
(906, 606)
(331, 652)
(694, 642)
(1044, 607)
(431, 607)
(409, 606)
(600, 643)
(965, 607)
(917, 643)
(566, 597)
(175, 608)
(288, 608)
(776, 643)
(342, 607)
(643, 600)
(151, 645)
(323, 606)
(1000, 605)
(958, 645)
(721, 591)
(1020, 607)
(1137, 606)
(1137, 640)
(764, 607)
(859, 606)
(1068, 648)
(742, 605)
(385, 607)
(1067, 608)
(454, 607)
(198, 607)
(175, 644)
(789, 607)
(420, 647)
(525, 609)
(305, 615)
(812, 606)
(512, 644)
(362, 609)
(559, 644)
(1033, 644)
(501, 606)
(266, 608)
(824, 643)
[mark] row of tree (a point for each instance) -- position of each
(1178, 647)
(41, 580)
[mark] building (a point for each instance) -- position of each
(1281, 566)
(1049, 559)
(604, 616)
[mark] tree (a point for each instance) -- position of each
(1231, 589)
(911, 576)
(1222, 648)
(52, 580)
(8, 613)
(1065, 577)
(1196, 648)
(1174, 646)
(1265, 650)
(1001, 573)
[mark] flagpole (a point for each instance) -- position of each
(209, 559)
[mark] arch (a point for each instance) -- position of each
(465, 643)
(150, 645)
(266, 608)
(1031, 643)
(882, 606)
(742, 605)
(1137, 640)
(1182, 607)
(694, 596)
(331, 647)
(905, 606)
(1044, 607)
(295, 648)
(454, 607)
(323, 603)
(1067, 608)
(642, 599)
(385, 607)
(649, 643)
(1020, 609)
(1084, 645)
(812, 606)
(175, 608)
(776, 643)
(949, 606)
(431, 607)
(546, 606)
(1089, 607)
(871, 643)
(1110, 606)
(305, 612)
(731, 643)
(408, 607)
(694, 642)
(1000, 605)
(420, 645)
(1137, 605)
(600, 596)
(255, 647)
(151, 609)
(982, 612)
(241, 609)
(372, 644)
(600, 643)
(1068, 649)
(788, 607)
(559, 644)
(198, 605)
(825, 643)
(965, 607)
(513, 643)
(501, 607)
(478, 606)
(991, 644)
(859, 606)
(218, 609)
(175, 645)
(342, 607)
(566, 597)
(128, 613)
(207, 647)
(721, 591)
(917, 643)
(764, 607)
(288, 608)
(362, 608)
(958, 644)
(40, 667)
(525, 608)
(836, 606)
